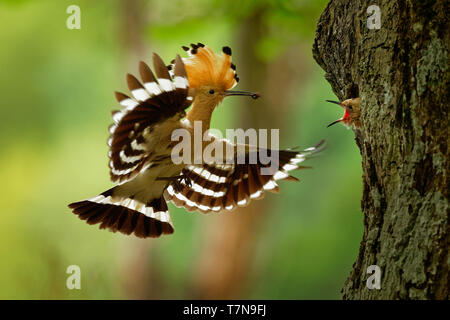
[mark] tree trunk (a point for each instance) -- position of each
(138, 267)
(224, 269)
(231, 241)
(400, 72)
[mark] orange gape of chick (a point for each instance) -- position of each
(351, 114)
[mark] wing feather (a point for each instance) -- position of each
(156, 100)
(217, 187)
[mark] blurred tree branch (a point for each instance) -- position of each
(140, 273)
(225, 265)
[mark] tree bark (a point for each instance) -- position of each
(400, 72)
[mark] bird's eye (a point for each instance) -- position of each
(211, 91)
(350, 107)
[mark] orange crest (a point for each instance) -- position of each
(205, 68)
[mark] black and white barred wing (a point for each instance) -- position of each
(228, 186)
(139, 125)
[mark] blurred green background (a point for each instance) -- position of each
(57, 93)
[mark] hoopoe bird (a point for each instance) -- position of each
(351, 113)
(140, 148)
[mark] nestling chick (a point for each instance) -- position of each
(351, 114)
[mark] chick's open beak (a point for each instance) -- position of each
(335, 102)
(334, 122)
(338, 120)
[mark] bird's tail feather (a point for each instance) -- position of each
(125, 214)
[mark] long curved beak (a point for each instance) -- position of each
(241, 93)
(335, 102)
(334, 122)
(338, 120)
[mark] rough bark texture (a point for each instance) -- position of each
(401, 74)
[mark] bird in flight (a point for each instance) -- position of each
(141, 149)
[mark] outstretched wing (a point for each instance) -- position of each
(135, 130)
(217, 187)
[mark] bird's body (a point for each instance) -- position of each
(142, 149)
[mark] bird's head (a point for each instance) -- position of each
(211, 76)
(351, 113)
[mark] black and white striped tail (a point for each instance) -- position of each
(125, 215)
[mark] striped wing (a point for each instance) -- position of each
(125, 214)
(227, 186)
(156, 100)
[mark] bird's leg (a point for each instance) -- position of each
(176, 181)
